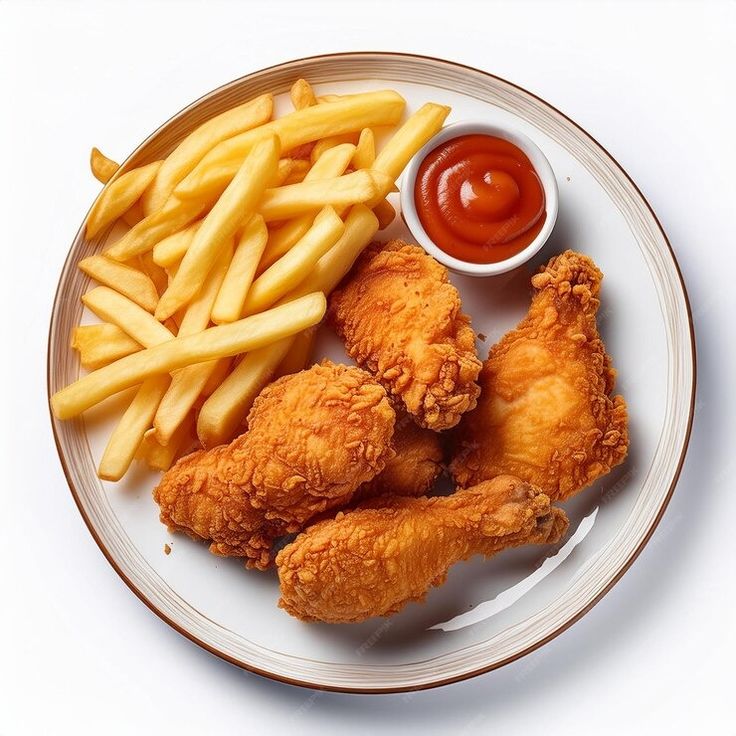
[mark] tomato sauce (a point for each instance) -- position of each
(479, 198)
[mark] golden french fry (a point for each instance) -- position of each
(222, 341)
(322, 99)
(342, 191)
(385, 213)
(408, 139)
(365, 151)
(302, 94)
(199, 142)
(102, 167)
(224, 411)
(128, 434)
(294, 266)
(160, 457)
(361, 226)
(174, 216)
(331, 164)
(222, 369)
(153, 271)
(234, 207)
(171, 250)
(217, 168)
(228, 306)
(299, 355)
(101, 344)
(133, 215)
(326, 143)
(135, 321)
(127, 280)
(299, 170)
(282, 173)
(119, 196)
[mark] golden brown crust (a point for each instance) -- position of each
(545, 414)
(314, 437)
(374, 560)
(401, 319)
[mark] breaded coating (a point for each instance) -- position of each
(374, 560)
(401, 319)
(414, 468)
(313, 438)
(545, 413)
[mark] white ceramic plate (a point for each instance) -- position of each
(489, 612)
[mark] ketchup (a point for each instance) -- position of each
(479, 198)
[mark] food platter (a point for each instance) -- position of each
(489, 613)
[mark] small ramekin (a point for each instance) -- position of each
(540, 164)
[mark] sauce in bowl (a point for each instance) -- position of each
(479, 198)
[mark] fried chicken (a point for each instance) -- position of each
(545, 413)
(400, 319)
(313, 438)
(374, 560)
(414, 468)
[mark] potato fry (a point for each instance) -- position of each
(132, 216)
(299, 170)
(408, 139)
(153, 271)
(385, 213)
(101, 344)
(202, 140)
(293, 267)
(127, 280)
(160, 457)
(222, 369)
(342, 191)
(224, 411)
(171, 250)
(217, 168)
(326, 143)
(229, 303)
(135, 321)
(174, 216)
(322, 99)
(119, 196)
(299, 355)
(235, 206)
(302, 94)
(282, 173)
(365, 151)
(128, 434)
(242, 336)
(331, 164)
(102, 167)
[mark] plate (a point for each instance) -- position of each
(490, 612)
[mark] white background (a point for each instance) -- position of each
(653, 82)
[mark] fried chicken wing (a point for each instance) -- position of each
(313, 438)
(545, 413)
(413, 469)
(400, 318)
(374, 560)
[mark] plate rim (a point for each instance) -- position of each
(480, 670)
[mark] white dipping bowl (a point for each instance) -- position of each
(541, 166)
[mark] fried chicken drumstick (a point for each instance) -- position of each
(313, 438)
(545, 412)
(400, 319)
(374, 560)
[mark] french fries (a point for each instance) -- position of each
(153, 271)
(342, 191)
(365, 150)
(217, 168)
(119, 196)
(385, 213)
(199, 142)
(171, 249)
(161, 457)
(242, 336)
(101, 344)
(126, 280)
(236, 205)
(299, 355)
(302, 94)
(103, 168)
(333, 163)
(334, 140)
(223, 412)
(128, 435)
(289, 270)
(299, 170)
(231, 297)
